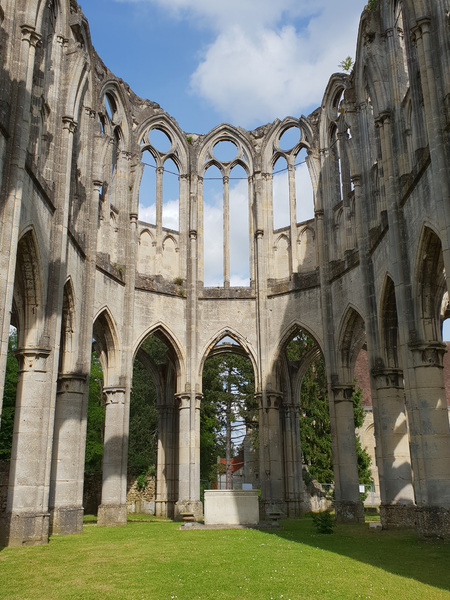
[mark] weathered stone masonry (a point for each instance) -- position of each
(369, 271)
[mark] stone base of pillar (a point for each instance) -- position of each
(433, 522)
(188, 507)
(349, 512)
(397, 516)
(66, 521)
(272, 510)
(110, 515)
(164, 509)
(24, 529)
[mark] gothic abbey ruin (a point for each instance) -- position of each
(368, 271)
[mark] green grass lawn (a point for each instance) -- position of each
(154, 560)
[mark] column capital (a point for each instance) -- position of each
(69, 123)
(32, 359)
(384, 117)
(114, 394)
(30, 35)
(388, 378)
(343, 393)
(259, 233)
(428, 354)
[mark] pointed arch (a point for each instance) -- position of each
(67, 328)
(28, 289)
(352, 338)
(431, 284)
(239, 339)
(106, 343)
(225, 133)
(177, 354)
(389, 324)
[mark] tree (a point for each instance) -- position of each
(9, 399)
(143, 431)
(228, 410)
(95, 418)
(315, 432)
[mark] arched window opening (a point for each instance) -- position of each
(160, 141)
(225, 151)
(290, 138)
(306, 361)
(147, 190)
(280, 194)
(228, 420)
(110, 107)
(213, 227)
(239, 228)
(303, 188)
(171, 193)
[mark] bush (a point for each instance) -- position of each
(324, 522)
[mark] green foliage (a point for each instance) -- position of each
(372, 4)
(143, 479)
(315, 433)
(95, 418)
(346, 64)
(9, 400)
(228, 391)
(363, 458)
(143, 436)
(324, 522)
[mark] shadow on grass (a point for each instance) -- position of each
(395, 551)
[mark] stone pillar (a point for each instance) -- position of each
(189, 457)
(271, 448)
(69, 439)
(113, 509)
(165, 466)
(392, 447)
(226, 231)
(26, 521)
(348, 505)
(430, 441)
(295, 487)
(292, 215)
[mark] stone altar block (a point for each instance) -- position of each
(231, 507)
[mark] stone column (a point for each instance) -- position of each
(26, 521)
(164, 469)
(226, 231)
(348, 505)
(292, 215)
(272, 480)
(12, 205)
(392, 447)
(430, 440)
(189, 457)
(69, 439)
(295, 488)
(113, 509)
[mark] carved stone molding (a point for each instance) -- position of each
(114, 395)
(32, 359)
(428, 355)
(30, 35)
(388, 378)
(342, 393)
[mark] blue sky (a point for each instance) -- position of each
(245, 62)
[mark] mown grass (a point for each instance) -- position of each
(154, 560)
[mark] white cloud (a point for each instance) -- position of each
(267, 59)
